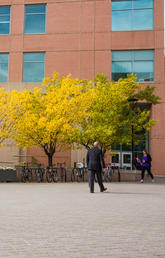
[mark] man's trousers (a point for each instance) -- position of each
(91, 179)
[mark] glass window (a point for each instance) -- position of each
(143, 19)
(143, 55)
(125, 19)
(35, 16)
(121, 4)
(132, 15)
(115, 158)
(120, 70)
(142, 4)
(4, 60)
(33, 67)
(4, 20)
(126, 158)
(143, 70)
(139, 62)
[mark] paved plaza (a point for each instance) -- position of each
(64, 220)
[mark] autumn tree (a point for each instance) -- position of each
(70, 111)
(5, 124)
(113, 112)
(46, 117)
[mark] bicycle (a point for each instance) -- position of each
(78, 173)
(108, 173)
(61, 174)
(39, 173)
(26, 174)
(51, 174)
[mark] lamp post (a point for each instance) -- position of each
(134, 101)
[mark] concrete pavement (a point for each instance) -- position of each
(64, 220)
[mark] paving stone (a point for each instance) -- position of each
(65, 220)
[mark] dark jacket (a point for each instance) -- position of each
(95, 160)
(149, 159)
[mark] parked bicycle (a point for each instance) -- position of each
(26, 174)
(39, 174)
(51, 174)
(61, 174)
(78, 172)
(107, 175)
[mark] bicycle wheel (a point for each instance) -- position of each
(23, 179)
(109, 175)
(83, 175)
(73, 175)
(78, 175)
(55, 175)
(38, 178)
(104, 177)
(64, 174)
(49, 176)
(61, 174)
(42, 175)
(29, 174)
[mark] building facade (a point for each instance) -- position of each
(83, 37)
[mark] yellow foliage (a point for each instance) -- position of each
(68, 110)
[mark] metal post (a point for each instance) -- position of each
(132, 147)
(120, 157)
(134, 101)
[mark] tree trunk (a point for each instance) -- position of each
(49, 152)
(50, 160)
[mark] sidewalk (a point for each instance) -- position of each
(66, 221)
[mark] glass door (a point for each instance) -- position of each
(126, 160)
(116, 160)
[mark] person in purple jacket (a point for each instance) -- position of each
(146, 165)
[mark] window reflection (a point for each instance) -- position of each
(33, 67)
(139, 62)
(4, 20)
(35, 16)
(142, 4)
(120, 4)
(132, 15)
(143, 19)
(4, 59)
(121, 17)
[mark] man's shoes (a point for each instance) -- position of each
(103, 190)
(141, 181)
(153, 180)
(91, 191)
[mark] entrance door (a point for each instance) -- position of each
(116, 159)
(126, 160)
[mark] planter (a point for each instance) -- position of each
(8, 175)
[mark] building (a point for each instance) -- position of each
(84, 37)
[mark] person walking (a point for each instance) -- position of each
(95, 163)
(146, 165)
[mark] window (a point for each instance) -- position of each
(33, 67)
(139, 62)
(4, 60)
(4, 20)
(35, 16)
(132, 15)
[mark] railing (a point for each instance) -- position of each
(56, 173)
(42, 174)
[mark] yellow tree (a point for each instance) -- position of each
(46, 117)
(5, 125)
(113, 112)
